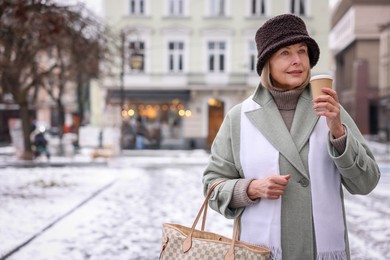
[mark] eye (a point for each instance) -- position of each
(284, 53)
(302, 51)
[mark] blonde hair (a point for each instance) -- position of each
(265, 77)
(266, 80)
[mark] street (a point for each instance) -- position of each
(116, 211)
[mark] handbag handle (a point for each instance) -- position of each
(230, 254)
(188, 241)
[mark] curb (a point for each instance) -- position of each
(32, 164)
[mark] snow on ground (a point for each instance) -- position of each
(32, 198)
(368, 220)
(116, 211)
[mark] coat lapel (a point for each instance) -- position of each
(269, 122)
(305, 119)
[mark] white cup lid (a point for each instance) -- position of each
(321, 76)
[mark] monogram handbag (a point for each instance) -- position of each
(187, 243)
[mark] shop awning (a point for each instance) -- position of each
(114, 96)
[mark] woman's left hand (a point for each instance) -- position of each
(328, 105)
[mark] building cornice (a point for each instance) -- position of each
(344, 5)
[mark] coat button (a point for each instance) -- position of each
(304, 182)
(361, 163)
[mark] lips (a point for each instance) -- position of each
(295, 72)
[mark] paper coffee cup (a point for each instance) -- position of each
(318, 82)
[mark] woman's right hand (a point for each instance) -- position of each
(269, 188)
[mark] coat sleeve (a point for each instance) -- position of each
(223, 165)
(359, 171)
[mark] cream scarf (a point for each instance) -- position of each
(261, 221)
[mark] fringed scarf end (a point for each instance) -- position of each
(276, 253)
(336, 255)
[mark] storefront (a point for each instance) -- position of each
(161, 112)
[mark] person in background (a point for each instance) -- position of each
(40, 144)
(286, 156)
(128, 134)
(156, 134)
(141, 134)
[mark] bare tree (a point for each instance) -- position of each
(29, 28)
(54, 83)
(88, 50)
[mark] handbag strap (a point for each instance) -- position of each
(230, 254)
(188, 241)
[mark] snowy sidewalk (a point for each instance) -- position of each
(116, 210)
(122, 221)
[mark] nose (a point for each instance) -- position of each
(296, 59)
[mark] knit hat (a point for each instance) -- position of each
(281, 31)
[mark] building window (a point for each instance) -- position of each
(217, 7)
(137, 7)
(175, 56)
(216, 56)
(258, 7)
(252, 56)
(136, 56)
(298, 7)
(176, 7)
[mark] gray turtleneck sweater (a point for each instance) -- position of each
(286, 101)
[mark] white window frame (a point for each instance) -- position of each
(176, 8)
(307, 7)
(176, 54)
(217, 34)
(217, 8)
(216, 55)
(144, 4)
(176, 34)
(267, 8)
(252, 56)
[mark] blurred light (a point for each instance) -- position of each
(181, 112)
(124, 113)
(136, 60)
(131, 112)
(188, 113)
(150, 112)
(214, 102)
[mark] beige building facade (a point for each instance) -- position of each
(384, 80)
(359, 45)
(198, 61)
(384, 61)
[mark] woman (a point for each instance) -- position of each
(286, 156)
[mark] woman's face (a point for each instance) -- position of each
(289, 66)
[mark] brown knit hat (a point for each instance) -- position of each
(279, 32)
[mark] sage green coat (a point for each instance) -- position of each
(359, 171)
